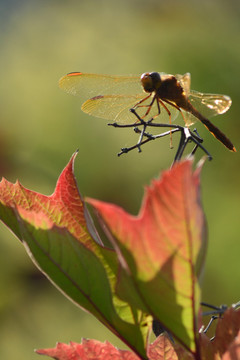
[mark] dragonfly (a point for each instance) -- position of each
(154, 95)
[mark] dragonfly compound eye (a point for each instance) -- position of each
(151, 81)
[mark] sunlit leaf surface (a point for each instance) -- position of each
(163, 248)
(60, 237)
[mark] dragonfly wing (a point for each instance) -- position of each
(185, 82)
(210, 104)
(113, 107)
(189, 118)
(86, 86)
(117, 108)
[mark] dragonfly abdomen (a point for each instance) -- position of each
(217, 133)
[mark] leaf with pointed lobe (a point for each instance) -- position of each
(163, 249)
(60, 237)
(88, 350)
(160, 349)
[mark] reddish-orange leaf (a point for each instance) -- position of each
(227, 334)
(207, 352)
(163, 249)
(88, 350)
(162, 349)
(63, 208)
(233, 351)
(226, 344)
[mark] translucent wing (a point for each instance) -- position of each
(185, 82)
(210, 104)
(87, 86)
(116, 108)
(112, 107)
(111, 97)
(207, 104)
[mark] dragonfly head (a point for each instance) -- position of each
(151, 81)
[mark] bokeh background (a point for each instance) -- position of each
(41, 127)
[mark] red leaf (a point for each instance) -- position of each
(207, 352)
(226, 344)
(233, 351)
(88, 350)
(63, 208)
(162, 349)
(227, 338)
(163, 249)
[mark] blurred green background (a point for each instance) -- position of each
(41, 127)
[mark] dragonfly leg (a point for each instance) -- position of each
(148, 106)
